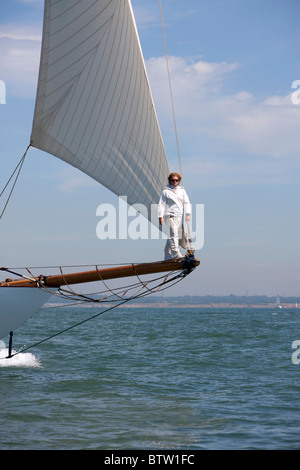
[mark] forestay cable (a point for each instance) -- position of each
(170, 86)
(19, 165)
(173, 280)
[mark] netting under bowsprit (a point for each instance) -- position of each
(113, 283)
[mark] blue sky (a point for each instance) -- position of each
(232, 66)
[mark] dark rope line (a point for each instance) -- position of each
(64, 331)
(20, 164)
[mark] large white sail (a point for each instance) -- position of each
(94, 108)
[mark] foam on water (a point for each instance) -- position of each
(20, 360)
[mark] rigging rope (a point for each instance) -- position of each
(20, 164)
(170, 86)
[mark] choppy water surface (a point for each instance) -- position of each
(154, 378)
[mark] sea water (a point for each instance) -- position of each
(153, 378)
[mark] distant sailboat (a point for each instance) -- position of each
(94, 110)
(277, 303)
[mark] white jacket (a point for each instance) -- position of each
(174, 201)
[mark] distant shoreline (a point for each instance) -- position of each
(209, 302)
(211, 305)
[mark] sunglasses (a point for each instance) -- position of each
(174, 180)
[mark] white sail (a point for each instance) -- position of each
(94, 108)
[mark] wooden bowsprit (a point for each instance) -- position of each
(186, 265)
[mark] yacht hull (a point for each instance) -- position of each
(17, 304)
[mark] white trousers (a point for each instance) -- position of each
(175, 227)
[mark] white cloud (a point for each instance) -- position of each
(19, 58)
(237, 136)
(71, 180)
(37, 2)
(190, 79)
(145, 17)
(21, 32)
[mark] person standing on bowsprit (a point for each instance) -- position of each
(173, 204)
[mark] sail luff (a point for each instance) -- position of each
(145, 70)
